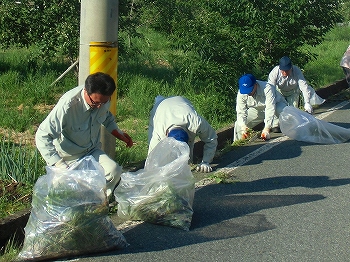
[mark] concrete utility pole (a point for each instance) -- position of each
(99, 50)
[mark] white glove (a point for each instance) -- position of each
(204, 167)
(308, 108)
(61, 164)
(265, 134)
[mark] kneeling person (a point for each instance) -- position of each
(71, 130)
(257, 101)
(176, 117)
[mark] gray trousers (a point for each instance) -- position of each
(256, 116)
(111, 168)
(347, 75)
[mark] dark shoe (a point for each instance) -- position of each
(276, 130)
(113, 207)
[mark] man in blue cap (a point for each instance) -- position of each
(176, 117)
(290, 81)
(257, 101)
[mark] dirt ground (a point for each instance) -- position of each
(24, 138)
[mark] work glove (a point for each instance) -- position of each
(123, 137)
(61, 164)
(245, 134)
(204, 167)
(265, 134)
(308, 108)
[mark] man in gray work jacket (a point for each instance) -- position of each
(72, 129)
(290, 81)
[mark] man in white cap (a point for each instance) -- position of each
(176, 117)
(345, 64)
(289, 81)
(257, 101)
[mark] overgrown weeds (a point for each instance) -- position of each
(20, 166)
(10, 251)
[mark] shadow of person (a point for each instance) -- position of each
(279, 182)
(218, 214)
(222, 212)
(217, 203)
(258, 152)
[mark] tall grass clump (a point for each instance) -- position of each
(19, 163)
(10, 251)
(20, 167)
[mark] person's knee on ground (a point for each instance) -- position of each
(239, 131)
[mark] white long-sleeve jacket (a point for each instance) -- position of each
(265, 98)
(345, 61)
(290, 84)
(178, 111)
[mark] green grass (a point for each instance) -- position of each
(18, 199)
(19, 163)
(325, 69)
(10, 251)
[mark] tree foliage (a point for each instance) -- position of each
(238, 36)
(51, 24)
(345, 10)
(232, 37)
(228, 37)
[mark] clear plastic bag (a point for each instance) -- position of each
(69, 214)
(161, 193)
(302, 126)
(315, 99)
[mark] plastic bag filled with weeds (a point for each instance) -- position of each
(161, 193)
(69, 214)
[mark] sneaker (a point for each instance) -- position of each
(113, 207)
(276, 129)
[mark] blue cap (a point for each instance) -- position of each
(246, 84)
(285, 63)
(179, 134)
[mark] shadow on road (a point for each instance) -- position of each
(219, 213)
(341, 124)
(281, 182)
(258, 152)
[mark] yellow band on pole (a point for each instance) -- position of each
(104, 58)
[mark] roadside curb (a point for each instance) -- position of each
(12, 227)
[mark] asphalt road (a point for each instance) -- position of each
(290, 202)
